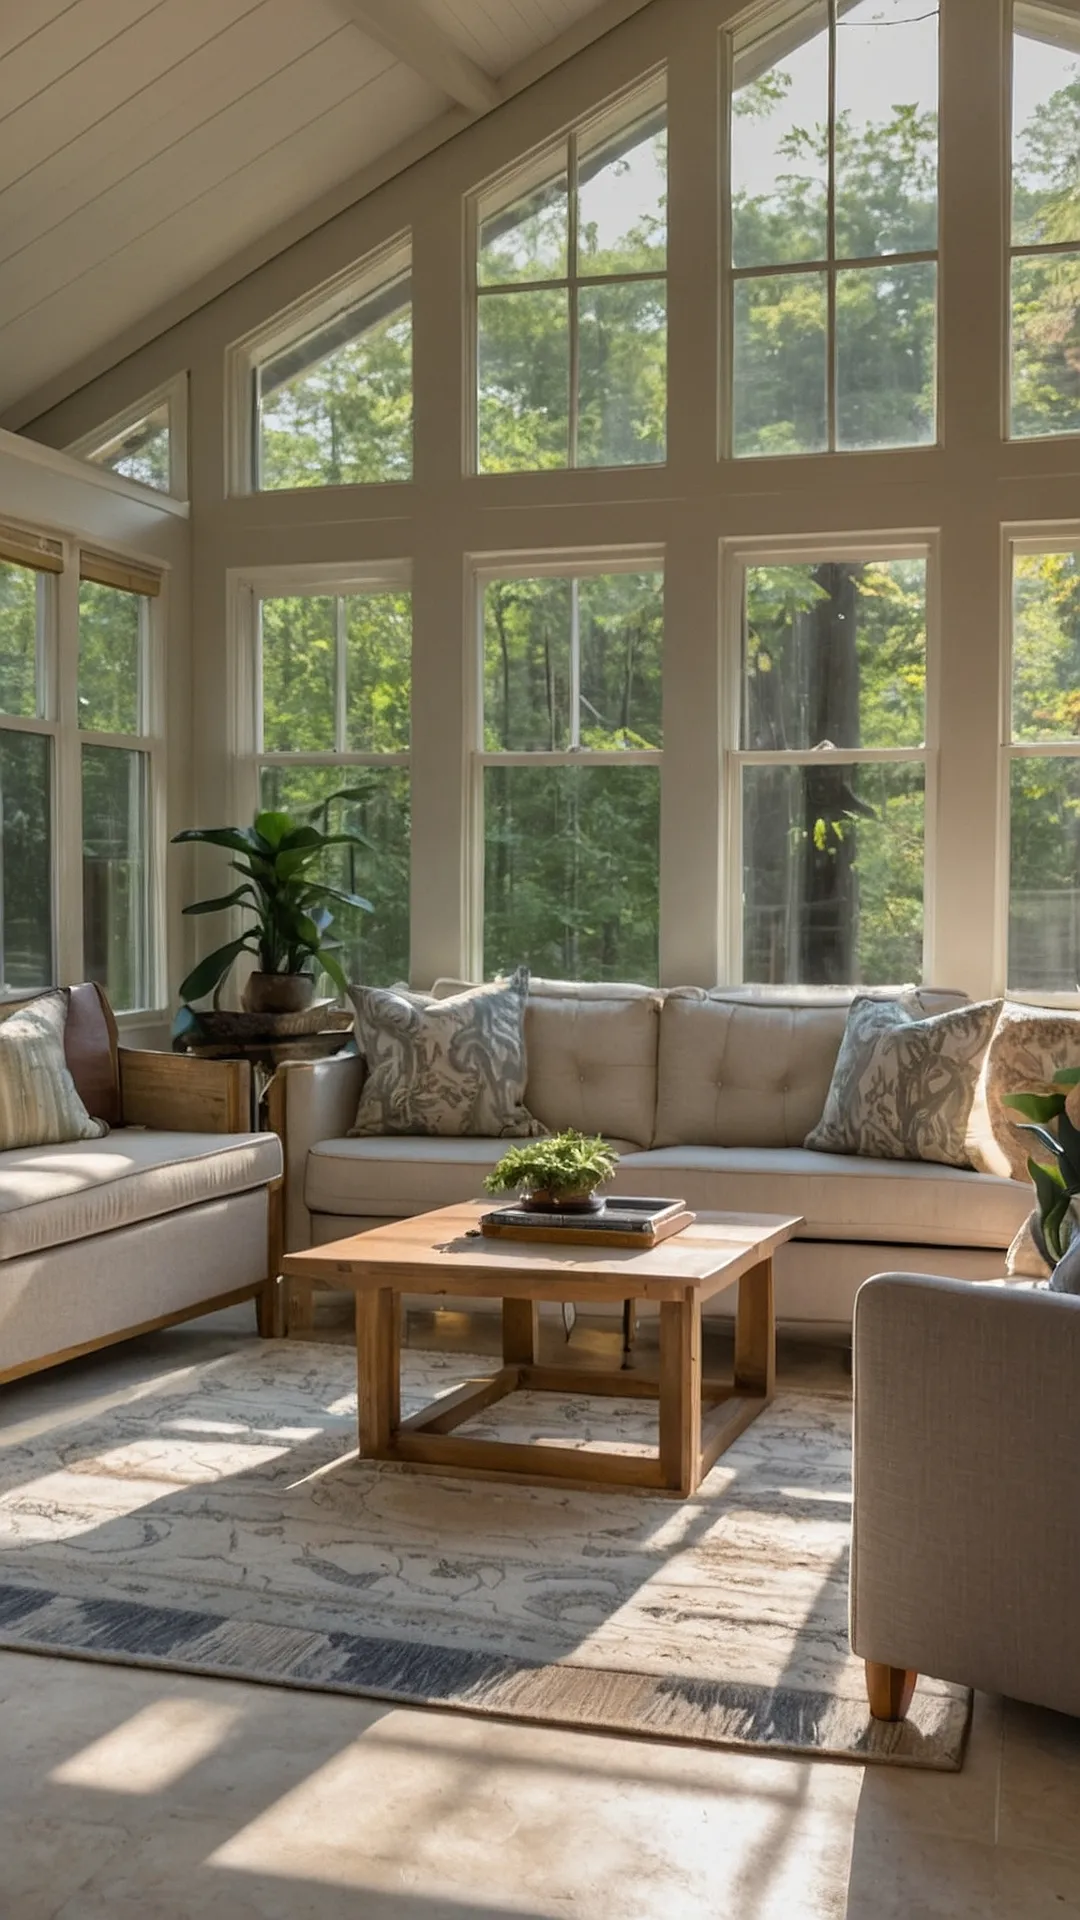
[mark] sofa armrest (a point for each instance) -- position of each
(310, 1100)
(966, 1542)
(183, 1094)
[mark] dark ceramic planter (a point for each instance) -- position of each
(279, 993)
(542, 1201)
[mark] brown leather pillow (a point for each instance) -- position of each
(90, 1050)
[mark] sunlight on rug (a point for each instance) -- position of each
(221, 1523)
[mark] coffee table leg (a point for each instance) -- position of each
(755, 1332)
(378, 1367)
(520, 1332)
(680, 1394)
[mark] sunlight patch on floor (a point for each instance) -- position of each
(151, 1751)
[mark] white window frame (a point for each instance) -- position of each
(736, 558)
(1019, 539)
(150, 742)
(570, 565)
(381, 268)
(58, 658)
(833, 264)
(553, 158)
(1058, 28)
(172, 394)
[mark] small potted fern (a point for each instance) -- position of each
(558, 1174)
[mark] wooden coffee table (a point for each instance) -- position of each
(443, 1253)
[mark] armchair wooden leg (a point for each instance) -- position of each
(270, 1310)
(889, 1689)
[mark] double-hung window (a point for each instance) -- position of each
(571, 299)
(828, 779)
(570, 686)
(834, 226)
(1043, 736)
(119, 743)
(1045, 222)
(29, 567)
(333, 691)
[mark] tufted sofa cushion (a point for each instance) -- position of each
(746, 1069)
(592, 1053)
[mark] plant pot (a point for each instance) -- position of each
(278, 992)
(542, 1200)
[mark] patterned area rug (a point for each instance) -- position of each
(218, 1521)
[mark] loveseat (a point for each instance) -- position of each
(708, 1098)
(166, 1216)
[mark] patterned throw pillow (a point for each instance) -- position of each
(1030, 1045)
(453, 1067)
(39, 1104)
(902, 1089)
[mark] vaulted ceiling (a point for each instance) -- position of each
(150, 147)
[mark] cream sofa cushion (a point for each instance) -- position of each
(52, 1195)
(840, 1197)
(591, 1051)
(752, 1066)
(404, 1175)
(39, 1101)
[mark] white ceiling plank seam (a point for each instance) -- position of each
(405, 29)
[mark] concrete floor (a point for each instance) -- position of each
(127, 1795)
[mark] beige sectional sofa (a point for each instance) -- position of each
(166, 1217)
(708, 1097)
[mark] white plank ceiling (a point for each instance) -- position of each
(146, 143)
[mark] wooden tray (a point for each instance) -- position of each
(660, 1219)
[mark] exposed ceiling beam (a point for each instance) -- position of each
(406, 30)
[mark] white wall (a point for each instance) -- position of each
(964, 492)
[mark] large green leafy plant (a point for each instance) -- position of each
(1052, 1117)
(286, 899)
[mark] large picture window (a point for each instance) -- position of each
(334, 690)
(570, 769)
(571, 300)
(1044, 773)
(834, 226)
(828, 783)
(1045, 223)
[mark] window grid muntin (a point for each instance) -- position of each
(1035, 249)
(574, 567)
(831, 267)
(740, 559)
(1015, 752)
(146, 746)
(570, 283)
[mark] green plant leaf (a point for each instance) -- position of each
(300, 837)
(273, 827)
(205, 977)
(237, 839)
(1053, 1223)
(1041, 1133)
(1067, 1077)
(1035, 1106)
(226, 900)
(1069, 1149)
(333, 967)
(316, 892)
(562, 1163)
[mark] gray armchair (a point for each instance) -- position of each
(966, 1546)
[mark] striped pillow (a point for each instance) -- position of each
(39, 1103)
